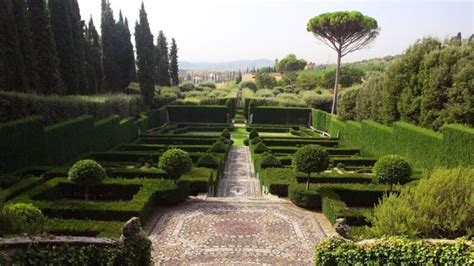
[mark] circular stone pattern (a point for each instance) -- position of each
(237, 228)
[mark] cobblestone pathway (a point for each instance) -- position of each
(240, 227)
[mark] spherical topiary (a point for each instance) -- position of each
(256, 140)
(392, 169)
(226, 134)
(175, 163)
(87, 173)
(311, 159)
(260, 148)
(208, 161)
(246, 142)
(219, 147)
(253, 134)
(22, 218)
(269, 160)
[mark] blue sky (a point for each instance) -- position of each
(212, 30)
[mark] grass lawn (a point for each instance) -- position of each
(239, 135)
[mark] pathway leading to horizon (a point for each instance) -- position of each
(240, 227)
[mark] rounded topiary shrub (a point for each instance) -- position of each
(208, 161)
(87, 173)
(219, 147)
(392, 169)
(226, 134)
(175, 163)
(253, 134)
(270, 160)
(311, 159)
(256, 140)
(21, 218)
(260, 148)
(246, 142)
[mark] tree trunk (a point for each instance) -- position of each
(336, 84)
(86, 194)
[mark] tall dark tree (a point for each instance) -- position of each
(174, 68)
(162, 61)
(109, 60)
(26, 48)
(45, 48)
(145, 57)
(77, 25)
(12, 74)
(133, 69)
(124, 49)
(95, 75)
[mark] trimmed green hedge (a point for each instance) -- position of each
(278, 115)
(157, 118)
(393, 251)
(277, 180)
(202, 114)
(21, 144)
(105, 132)
(423, 148)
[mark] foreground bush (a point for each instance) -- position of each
(392, 251)
(392, 169)
(87, 173)
(21, 218)
(440, 206)
(175, 163)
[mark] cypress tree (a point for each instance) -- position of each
(109, 60)
(62, 32)
(44, 47)
(79, 42)
(145, 57)
(12, 75)
(93, 59)
(24, 37)
(162, 61)
(174, 75)
(133, 69)
(125, 56)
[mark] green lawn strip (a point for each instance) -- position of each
(200, 179)
(239, 135)
(68, 227)
(18, 188)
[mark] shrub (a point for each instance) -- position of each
(261, 148)
(186, 86)
(219, 147)
(208, 84)
(175, 163)
(224, 140)
(256, 140)
(270, 161)
(253, 134)
(392, 169)
(310, 159)
(246, 142)
(248, 84)
(208, 161)
(21, 218)
(226, 134)
(86, 173)
(438, 207)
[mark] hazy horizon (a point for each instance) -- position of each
(232, 30)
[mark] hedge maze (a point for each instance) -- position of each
(135, 184)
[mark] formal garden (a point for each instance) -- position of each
(112, 158)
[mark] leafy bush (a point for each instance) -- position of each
(249, 85)
(87, 173)
(310, 159)
(269, 160)
(265, 80)
(219, 147)
(392, 169)
(253, 134)
(438, 207)
(261, 148)
(246, 142)
(208, 161)
(392, 251)
(208, 84)
(226, 134)
(21, 218)
(256, 140)
(186, 86)
(175, 162)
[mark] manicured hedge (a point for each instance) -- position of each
(176, 140)
(21, 144)
(203, 114)
(393, 251)
(157, 118)
(277, 180)
(105, 132)
(68, 140)
(157, 147)
(423, 148)
(335, 178)
(276, 115)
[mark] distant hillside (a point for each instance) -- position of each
(229, 66)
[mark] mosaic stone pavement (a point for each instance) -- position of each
(240, 227)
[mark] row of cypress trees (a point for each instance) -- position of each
(46, 48)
